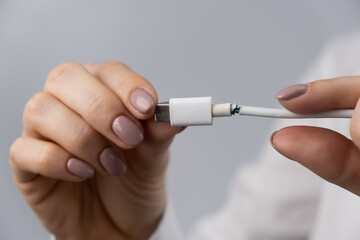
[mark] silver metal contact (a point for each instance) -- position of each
(162, 112)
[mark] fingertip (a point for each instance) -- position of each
(112, 162)
(143, 102)
(272, 141)
(79, 168)
(297, 142)
(292, 92)
(297, 98)
(277, 142)
(128, 131)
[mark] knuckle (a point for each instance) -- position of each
(44, 155)
(130, 83)
(61, 72)
(114, 65)
(37, 105)
(96, 104)
(83, 136)
(13, 152)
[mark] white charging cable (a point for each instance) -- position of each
(200, 111)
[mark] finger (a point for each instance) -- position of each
(136, 92)
(47, 117)
(127, 84)
(327, 153)
(152, 155)
(72, 84)
(321, 95)
(30, 157)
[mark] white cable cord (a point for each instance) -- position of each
(201, 111)
(283, 113)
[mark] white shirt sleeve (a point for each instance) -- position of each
(274, 197)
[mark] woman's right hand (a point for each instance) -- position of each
(91, 161)
(329, 154)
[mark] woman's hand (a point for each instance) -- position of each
(327, 153)
(91, 162)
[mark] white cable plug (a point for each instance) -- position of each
(201, 111)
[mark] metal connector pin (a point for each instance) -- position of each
(162, 112)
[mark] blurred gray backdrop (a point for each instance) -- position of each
(242, 51)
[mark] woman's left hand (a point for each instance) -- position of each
(329, 154)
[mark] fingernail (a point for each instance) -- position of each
(275, 147)
(142, 100)
(80, 168)
(128, 131)
(112, 162)
(292, 92)
(272, 141)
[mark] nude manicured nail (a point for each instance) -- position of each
(142, 100)
(128, 131)
(80, 168)
(112, 162)
(292, 92)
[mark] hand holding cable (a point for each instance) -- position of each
(329, 154)
(91, 162)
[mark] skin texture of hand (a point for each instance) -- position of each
(91, 162)
(327, 153)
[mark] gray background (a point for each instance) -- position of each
(242, 51)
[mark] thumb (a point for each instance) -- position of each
(159, 135)
(325, 152)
